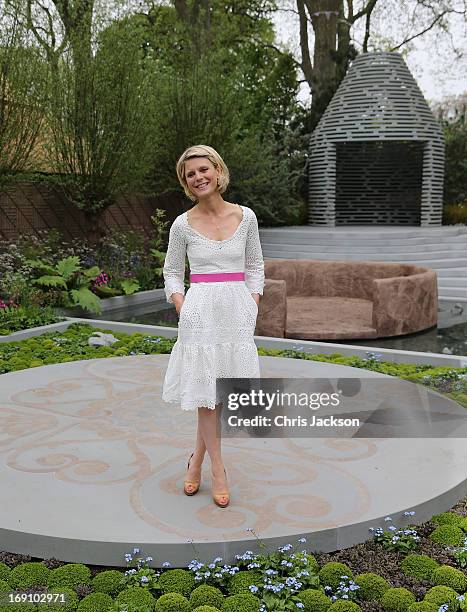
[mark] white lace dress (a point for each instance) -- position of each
(217, 319)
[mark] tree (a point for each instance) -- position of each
(22, 91)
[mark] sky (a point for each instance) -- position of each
(431, 60)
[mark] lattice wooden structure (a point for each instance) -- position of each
(377, 153)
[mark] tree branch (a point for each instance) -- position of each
(420, 33)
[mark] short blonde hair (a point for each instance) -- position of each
(214, 158)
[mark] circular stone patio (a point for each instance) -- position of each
(93, 461)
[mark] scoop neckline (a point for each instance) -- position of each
(212, 239)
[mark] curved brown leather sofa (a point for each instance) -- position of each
(314, 300)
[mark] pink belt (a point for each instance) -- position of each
(216, 277)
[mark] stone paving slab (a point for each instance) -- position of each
(92, 463)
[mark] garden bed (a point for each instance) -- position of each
(373, 576)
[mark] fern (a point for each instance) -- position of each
(50, 281)
(129, 285)
(86, 299)
(67, 267)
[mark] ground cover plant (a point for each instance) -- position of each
(383, 574)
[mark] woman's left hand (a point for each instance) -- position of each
(255, 296)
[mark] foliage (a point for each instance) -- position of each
(109, 581)
(418, 566)
(449, 576)
(440, 595)
(16, 318)
(172, 602)
(73, 284)
(397, 600)
(454, 214)
(448, 534)
(455, 180)
(70, 575)
(372, 586)
(402, 540)
(331, 575)
(177, 581)
(23, 92)
(206, 595)
(28, 574)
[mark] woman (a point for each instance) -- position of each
(217, 317)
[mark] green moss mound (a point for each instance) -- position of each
(172, 602)
(422, 606)
(206, 595)
(311, 564)
(243, 602)
(5, 571)
(111, 582)
(96, 602)
(439, 595)
(136, 596)
(19, 607)
(418, 566)
(240, 582)
(448, 534)
(70, 575)
(4, 586)
(177, 581)
(70, 604)
(397, 600)
(451, 577)
(28, 574)
(344, 606)
(372, 586)
(206, 609)
(331, 574)
(447, 518)
(314, 600)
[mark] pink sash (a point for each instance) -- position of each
(217, 277)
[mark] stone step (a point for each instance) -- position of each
(460, 292)
(449, 281)
(312, 246)
(436, 263)
(338, 234)
(447, 272)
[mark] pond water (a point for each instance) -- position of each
(449, 337)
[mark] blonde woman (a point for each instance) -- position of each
(217, 316)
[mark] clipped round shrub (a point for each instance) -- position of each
(372, 586)
(4, 586)
(397, 600)
(28, 574)
(70, 604)
(418, 566)
(240, 581)
(447, 518)
(95, 602)
(4, 571)
(24, 606)
(422, 606)
(314, 600)
(243, 602)
(342, 605)
(206, 609)
(177, 581)
(136, 596)
(172, 602)
(451, 577)
(448, 534)
(70, 575)
(330, 574)
(108, 581)
(440, 595)
(206, 595)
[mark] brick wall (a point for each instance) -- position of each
(27, 207)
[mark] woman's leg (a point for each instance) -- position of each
(194, 470)
(208, 422)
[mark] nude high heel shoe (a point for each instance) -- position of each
(193, 484)
(219, 498)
